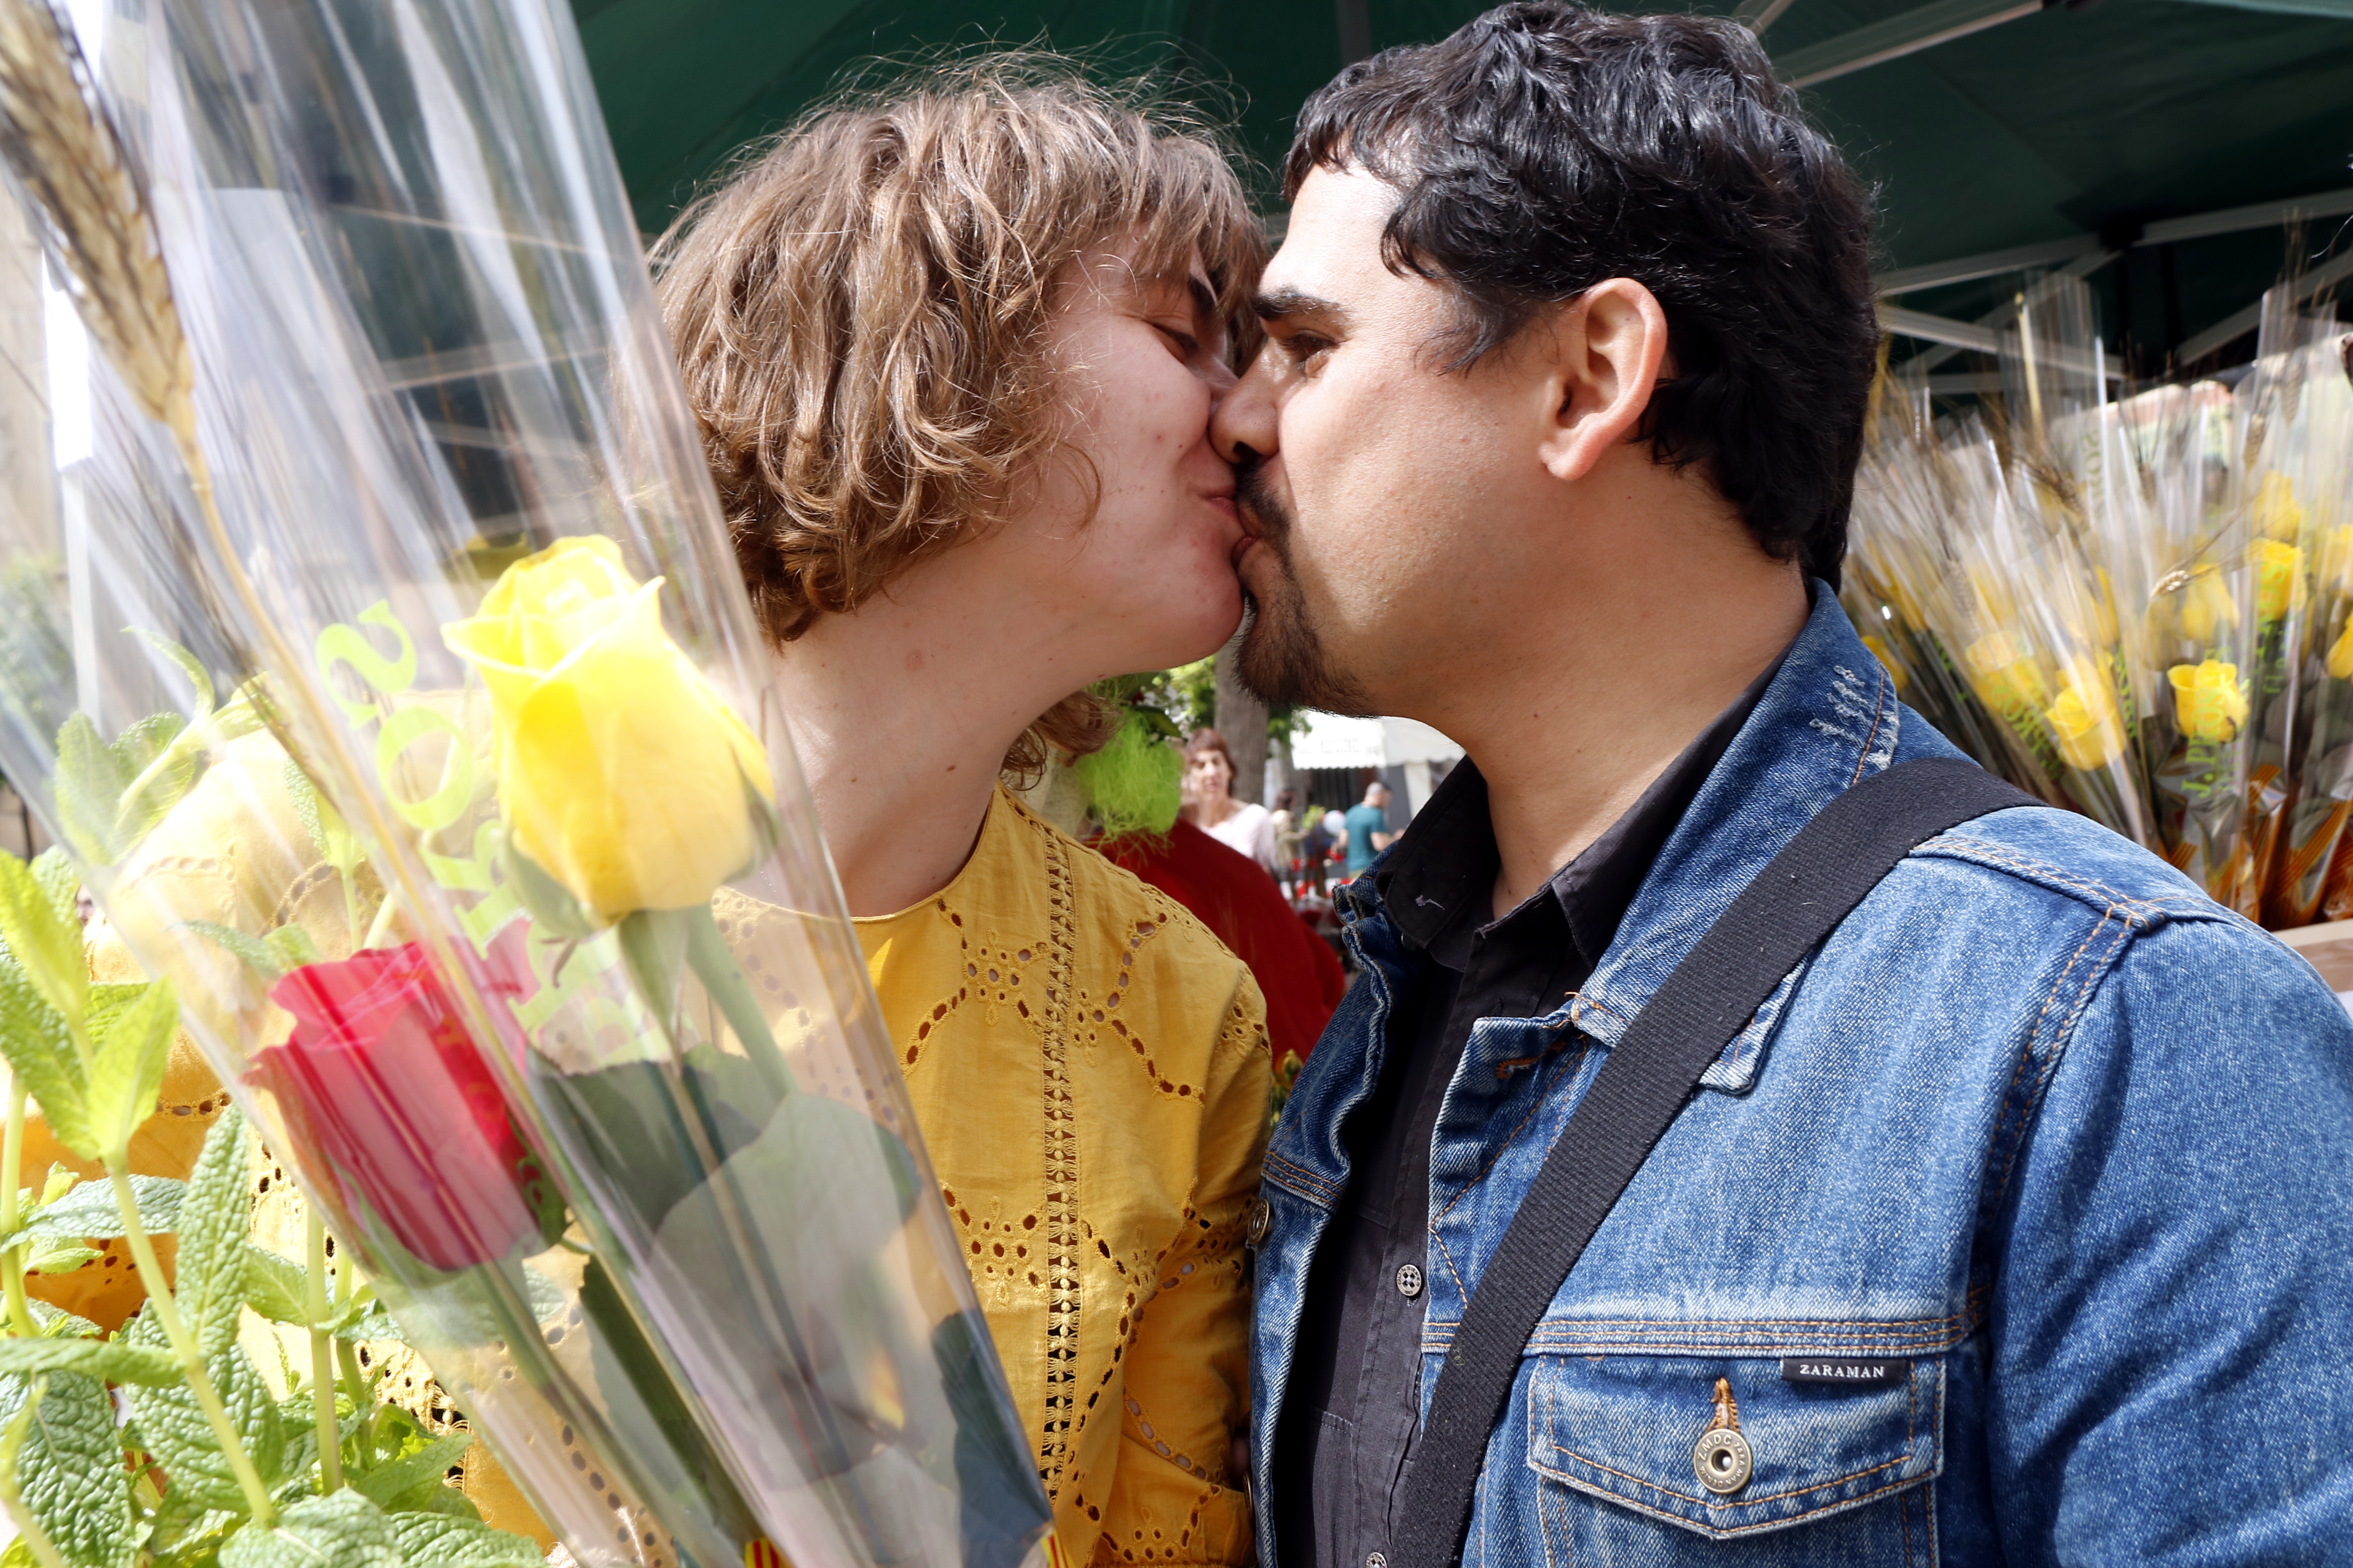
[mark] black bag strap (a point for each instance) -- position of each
(1796, 900)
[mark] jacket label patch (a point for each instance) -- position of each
(1875, 1372)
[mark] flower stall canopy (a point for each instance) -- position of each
(1988, 124)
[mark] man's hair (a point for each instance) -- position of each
(1544, 148)
(860, 313)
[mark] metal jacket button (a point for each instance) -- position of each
(1722, 1456)
(1255, 1220)
(1408, 1282)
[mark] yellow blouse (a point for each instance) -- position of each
(1089, 1067)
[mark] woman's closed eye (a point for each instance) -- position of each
(1180, 339)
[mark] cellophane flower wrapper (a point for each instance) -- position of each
(527, 952)
(2139, 592)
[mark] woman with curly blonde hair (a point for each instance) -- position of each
(954, 350)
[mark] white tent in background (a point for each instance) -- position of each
(1329, 741)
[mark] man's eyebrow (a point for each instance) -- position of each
(1280, 303)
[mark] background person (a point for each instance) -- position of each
(1211, 804)
(1367, 825)
(2010, 1228)
(954, 350)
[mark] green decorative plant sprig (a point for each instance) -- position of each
(210, 1467)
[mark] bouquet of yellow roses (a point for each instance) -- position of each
(440, 775)
(2135, 606)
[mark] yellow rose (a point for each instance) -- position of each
(2277, 571)
(2084, 721)
(2206, 604)
(2207, 702)
(2336, 568)
(2278, 514)
(1886, 657)
(2340, 654)
(621, 774)
(2004, 674)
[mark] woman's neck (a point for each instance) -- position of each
(902, 712)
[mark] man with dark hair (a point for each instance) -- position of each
(2003, 1219)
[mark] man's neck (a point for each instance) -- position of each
(1571, 727)
(902, 713)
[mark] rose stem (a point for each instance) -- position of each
(12, 1172)
(381, 927)
(323, 1360)
(28, 1529)
(184, 1345)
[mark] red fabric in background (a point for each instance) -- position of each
(1233, 896)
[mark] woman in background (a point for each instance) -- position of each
(1211, 806)
(954, 350)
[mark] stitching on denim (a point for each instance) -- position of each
(1744, 1503)
(1504, 1145)
(1969, 1309)
(2001, 1129)
(1446, 1256)
(1841, 1504)
(1306, 1183)
(1439, 1338)
(1903, 1521)
(2007, 858)
(2058, 1048)
(1878, 706)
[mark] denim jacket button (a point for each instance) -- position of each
(1256, 1217)
(1722, 1460)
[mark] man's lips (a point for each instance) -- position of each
(1242, 547)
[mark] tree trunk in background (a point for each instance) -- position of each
(1241, 720)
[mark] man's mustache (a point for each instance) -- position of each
(1254, 494)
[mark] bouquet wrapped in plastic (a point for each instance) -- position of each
(2134, 606)
(438, 770)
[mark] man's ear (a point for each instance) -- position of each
(1610, 348)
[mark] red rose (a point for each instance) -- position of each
(395, 1107)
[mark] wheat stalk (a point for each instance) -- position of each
(70, 161)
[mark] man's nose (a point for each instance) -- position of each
(1244, 417)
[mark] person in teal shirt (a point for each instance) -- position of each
(1367, 823)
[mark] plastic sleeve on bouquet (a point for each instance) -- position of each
(442, 779)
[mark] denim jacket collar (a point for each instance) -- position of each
(1829, 718)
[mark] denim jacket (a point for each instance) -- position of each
(2057, 1146)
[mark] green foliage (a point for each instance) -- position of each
(111, 793)
(87, 1209)
(413, 1480)
(68, 1466)
(44, 940)
(129, 1072)
(443, 1541)
(174, 1429)
(342, 1529)
(214, 1220)
(110, 1360)
(1136, 781)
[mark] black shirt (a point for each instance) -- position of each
(1353, 1407)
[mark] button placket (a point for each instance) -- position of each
(1409, 1280)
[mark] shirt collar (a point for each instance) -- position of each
(1437, 886)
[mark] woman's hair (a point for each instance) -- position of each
(1206, 741)
(860, 313)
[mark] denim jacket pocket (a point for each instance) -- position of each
(1642, 1433)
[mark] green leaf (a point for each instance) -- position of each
(54, 870)
(446, 1541)
(342, 1529)
(251, 951)
(329, 835)
(47, 945)
(39, 1051)
(56, 1323)
(190, 665)
(172, 1425)
(59, 1257)
(89, 785)
(157, 758)
(401, 1484)
(88, 1210)
(213, 1217)
(111, 1360)
(292, 947)
(371, 1323)
(277, 1288)
(129, 1073)
(70, 1466)
(107, 1003)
